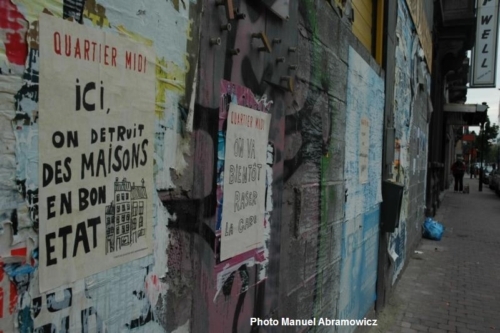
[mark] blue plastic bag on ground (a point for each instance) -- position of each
(432, 229)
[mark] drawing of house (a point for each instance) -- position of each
(126, 215)
(110, 227)
(138, 198)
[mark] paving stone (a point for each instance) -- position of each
(408, 330)
(420, 328)
(456, 324)
(447, 327)
(436, 330)
(412, 320)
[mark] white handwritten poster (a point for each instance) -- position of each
(96, 127)
(244, 180)
(364, 147)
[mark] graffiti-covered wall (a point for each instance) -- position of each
(185, 166)
(411, 112)
(94, 105)
(311, 247)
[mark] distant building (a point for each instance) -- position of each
(125, 216)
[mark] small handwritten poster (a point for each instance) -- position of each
(244, 180)
(364, 147)
(96, 136)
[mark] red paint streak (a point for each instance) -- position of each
(155, 280)
(12, 294)
(2, 276)
(1, 302)
(152, 282)
(21, 252)
(12, 24)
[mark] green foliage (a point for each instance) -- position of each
(493, 154)
(490, 132)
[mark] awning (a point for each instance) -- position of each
(465, 108)
(465, 114)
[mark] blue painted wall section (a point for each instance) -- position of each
(359, 263)
(360, 230)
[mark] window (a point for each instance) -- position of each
(123, 196)
(127, 228)
(123, 229)
(117, 197)
(134, 223)
(128, 217)
(140, 222)
(128, 206)
(141, 208)
(123, 218)
(108, 219)
(117, 230)
(117, 208)
(126, 196)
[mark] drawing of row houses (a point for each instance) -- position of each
(126, 215)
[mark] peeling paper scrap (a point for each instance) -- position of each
(393, 255)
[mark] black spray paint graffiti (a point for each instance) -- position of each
(25, 98)
(197, 214)
(86, 316)
(31, 198)
(73, 9)
(54, 306)
(147, 314)
(226, 289)
(29, 89)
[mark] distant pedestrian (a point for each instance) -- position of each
(458, 170)
(472, 170)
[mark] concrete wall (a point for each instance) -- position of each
(325, 94)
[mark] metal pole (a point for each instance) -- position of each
(481, 171)
(498, 157)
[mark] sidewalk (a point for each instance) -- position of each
(454, 285)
